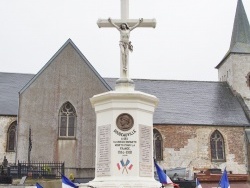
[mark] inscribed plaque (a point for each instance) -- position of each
(103, 151)
(145, 139)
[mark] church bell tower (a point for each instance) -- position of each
(235, 66)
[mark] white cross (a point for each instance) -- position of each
(125, 44)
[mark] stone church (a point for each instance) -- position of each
(197, 124)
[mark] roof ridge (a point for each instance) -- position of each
(16, 73)
(167, 80)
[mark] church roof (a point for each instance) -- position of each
(10, 85)
(181, 102)
(192, 102)
(240, 39)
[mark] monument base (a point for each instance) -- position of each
(124, 138)
(128, 183)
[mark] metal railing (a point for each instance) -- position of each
(49, 170)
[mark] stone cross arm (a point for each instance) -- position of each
(130, 22)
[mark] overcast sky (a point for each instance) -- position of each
(190, 38)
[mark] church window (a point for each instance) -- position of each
(217, 147)
(11, 137)
(158, 146)
(67, 120)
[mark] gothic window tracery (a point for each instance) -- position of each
(158, 146)
(217, 146)
(67, 120)
(11, 137)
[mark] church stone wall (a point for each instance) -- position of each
(235, 70)
(226, 70)
(189, 147)
(5, 122)
(66, 78)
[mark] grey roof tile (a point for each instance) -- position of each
(10, 85)
(180, 102)
(192, 102)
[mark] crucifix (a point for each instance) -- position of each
(125, 26)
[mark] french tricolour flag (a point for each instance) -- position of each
(224, 183)
(163, 178)
(38, 185)
(198, 185)
(66, 183)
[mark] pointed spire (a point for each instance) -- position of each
(240, 41)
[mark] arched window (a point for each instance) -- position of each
(67, 120)
(11, 137)
(158, 146)
(217, 147)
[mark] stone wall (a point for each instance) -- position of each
(236, 70)
(189, 147)
(66, 78)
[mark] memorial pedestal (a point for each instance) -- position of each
(124, 139)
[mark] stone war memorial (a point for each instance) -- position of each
(124, 120)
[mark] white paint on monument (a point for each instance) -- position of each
(124, 121)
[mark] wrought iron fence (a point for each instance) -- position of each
(50, 170)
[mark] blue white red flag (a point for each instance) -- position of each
(66, 183)
(38, 185)
(224, 183)
(163, 178)
(198, 185)
(124, 165)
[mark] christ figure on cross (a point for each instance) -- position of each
(125, 44)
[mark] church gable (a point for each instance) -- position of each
(68, 56)
(67, 77)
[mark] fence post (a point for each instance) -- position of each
(19, 167)
(62, 168)
(8, 171)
